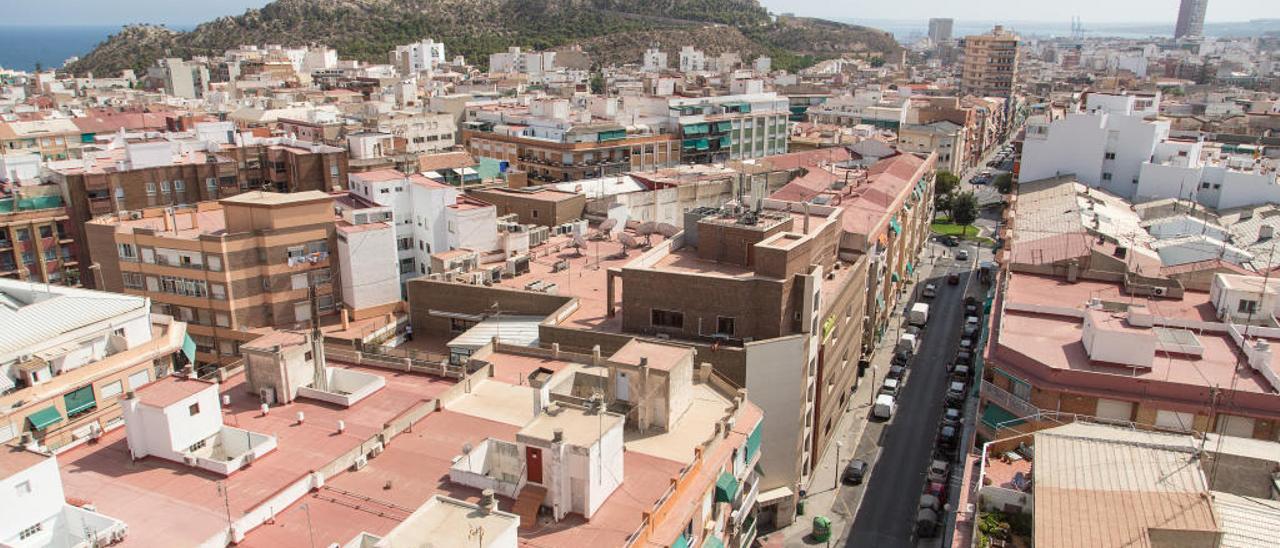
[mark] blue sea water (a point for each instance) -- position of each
(22, 47)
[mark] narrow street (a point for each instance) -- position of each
(904, 446)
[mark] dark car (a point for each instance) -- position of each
(950, 241)
(953, 279)
(901, 358)
(948, 436)
(897, 371)
(854, 472)
(964, 357)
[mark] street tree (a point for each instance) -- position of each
(945, 182)
(964, 210)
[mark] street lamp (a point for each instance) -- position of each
(836, 479)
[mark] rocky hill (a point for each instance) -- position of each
(612, 31)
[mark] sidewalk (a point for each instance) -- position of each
(823, 496)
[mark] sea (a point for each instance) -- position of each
(23, 47)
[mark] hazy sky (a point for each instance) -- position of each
(1025, 10)
(186, 12)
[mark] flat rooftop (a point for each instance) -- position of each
(1053, 291)
(149, 493)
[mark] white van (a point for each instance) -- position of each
(885, 406)
(919, 314)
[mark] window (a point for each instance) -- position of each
(30, 531)
(193, 409)
(1247, 306)
(46, 231)
(1217, 186)
(132, 280)
(221, 319)
(1106, 176)
(151, 189)
(404, 243)
(295, 252)
(111, 390)
(179, 185)
(1110, 156)
(725, 326)
(218, 291)
(666, 318)
(535, 214)
(211, 184)
(23, 234)
(183, 286)
(1204, 185)
(406, 265)
(127, 251)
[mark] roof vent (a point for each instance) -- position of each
(557, 435)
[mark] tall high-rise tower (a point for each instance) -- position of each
(940, 30)
(1191, 18)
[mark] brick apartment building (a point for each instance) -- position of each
(227, 267)
(37, 239)
(990, 63)
(538, 206)
(156, 173)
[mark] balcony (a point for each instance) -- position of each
(98, 206)
(1008, 401)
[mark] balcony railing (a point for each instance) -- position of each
(1007, 400)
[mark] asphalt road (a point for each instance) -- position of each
(886, 516)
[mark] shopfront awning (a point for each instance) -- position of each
(44, 418)
(894, 277)
(910, 268)
(713, 542)
(726, 487)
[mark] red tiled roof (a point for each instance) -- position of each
(808, 158)
(803, 189)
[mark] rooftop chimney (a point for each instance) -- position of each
(487, 502)
(557, 435)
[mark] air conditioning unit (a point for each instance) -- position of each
(377, 450)
(359, 464)
(1159, 291)
(190, 460)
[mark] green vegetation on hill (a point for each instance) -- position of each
(612, 31)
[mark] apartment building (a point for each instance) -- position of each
(730, 127)
(226, 268)
(944, 138)
(429, 217)
(421, 56)
(423, 133)
(554, 140)
(52, 138)
(940, 30)
(1190, 19)
(515, 61)
(37, 237)
(543, 206)
(143, 173)
(990, 63)
(184, 79)
(68, 356)
(1089, 322)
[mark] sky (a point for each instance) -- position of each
(188, 12)
(1098, 11)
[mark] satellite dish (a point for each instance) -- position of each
(668, 230)
(646, 228)
(627, 240)
(608, 224)
(579, 241)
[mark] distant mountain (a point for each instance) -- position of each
(610, 30)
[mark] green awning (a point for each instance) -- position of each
(189, 348)
(893, 225)
(696, 144)
(726, 141)
(996, 417)
(879, 300)
(753, 442)
(726, 487)
(894, 277)
(696, 129)
(910, 267)
(44, 418)
(713, 542)
(79, 400)
(681, 542)
(722, 127)
(612, 135)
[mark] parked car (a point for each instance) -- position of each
(927, 524)
(900, 357)
(890, 387)
(930, 502)
(897, 371)
(930, 291)
(953, 279)
(961, 372)
(854, 472)
(955, 392)
(950, 241)
(939, 471)
(948, 437)
(952, 416)
(884, 407)
(964, 357)
(971, 307)
(962, 255)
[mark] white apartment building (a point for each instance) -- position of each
(655, 60)
(425, 55)
(424, 133)
(515, 61)
(944, 137)
(37, 514)
(737, 127)
(692, 60)
(1215, 175)
(429, 217)
(1104, 146)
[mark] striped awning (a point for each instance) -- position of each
(44, 418)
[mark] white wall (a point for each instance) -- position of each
(41, 505)
(472, 228)
(167, 432)
(776, 382)
(368, 268)
(1079, 143)
(603, 480)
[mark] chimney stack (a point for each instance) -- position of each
(557, 435)
(487, 502)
